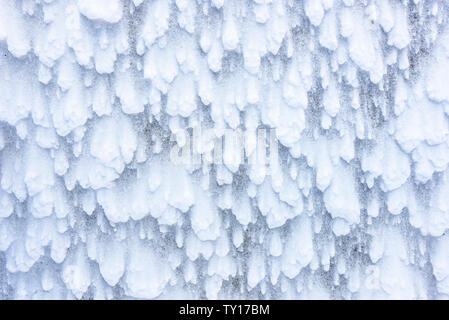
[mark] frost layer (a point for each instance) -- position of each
(92, 93)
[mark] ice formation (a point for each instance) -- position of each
(98, 97)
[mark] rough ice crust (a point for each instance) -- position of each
(91, 207)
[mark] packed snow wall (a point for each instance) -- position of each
(212, 149)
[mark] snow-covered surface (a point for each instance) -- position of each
(352, 97)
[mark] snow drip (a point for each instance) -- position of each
(224, 149)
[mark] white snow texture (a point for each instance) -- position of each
(355, 207)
